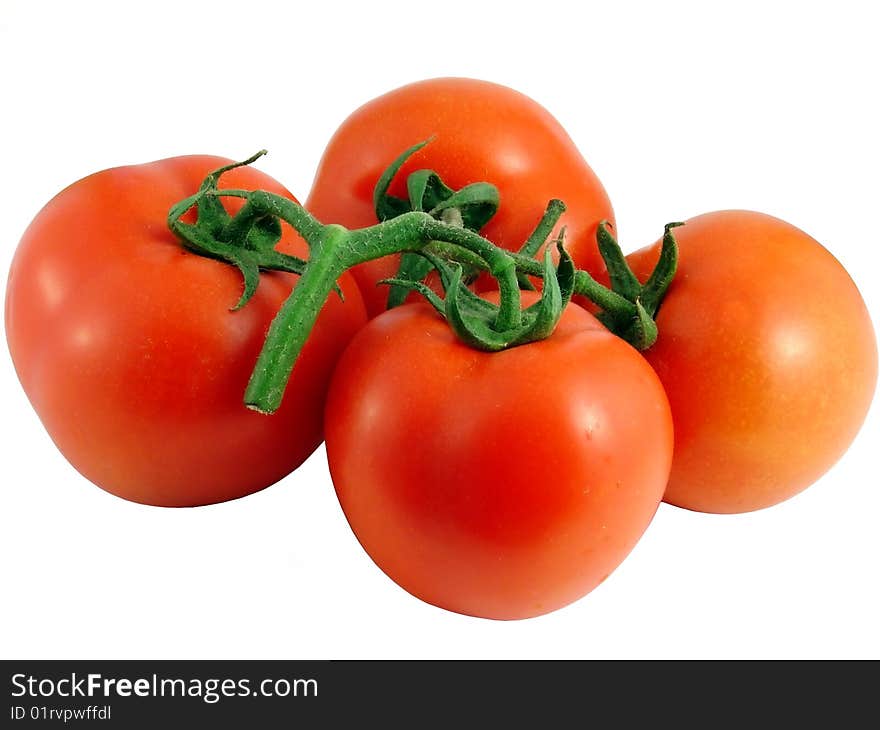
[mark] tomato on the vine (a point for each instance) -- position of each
(480, 132)
(768, 356)
(501, 485)
(126, 346)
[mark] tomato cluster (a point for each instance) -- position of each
(497, 474)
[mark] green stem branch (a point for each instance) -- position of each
(294, 322)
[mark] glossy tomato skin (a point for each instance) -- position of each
(768, 356)
(500, 485)
(127, 349)
(483, 132)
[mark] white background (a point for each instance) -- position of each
(681, 108)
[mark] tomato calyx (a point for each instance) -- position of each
(473, 319)
(634, 322)
(470, 207)
(246, 240)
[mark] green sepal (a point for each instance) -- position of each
(638, 327)
(654, 289)
(250, 272)
(388, 206)
(644, 328)
(552, 214)
(548, 308)
(622, 279)
(426, 190)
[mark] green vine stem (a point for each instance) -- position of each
(247, 239)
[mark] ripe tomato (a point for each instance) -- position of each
(483, 132)
(767, 355)
(126, 346)
(502, 485)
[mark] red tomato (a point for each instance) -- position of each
(502, 485)
(767, 355)
(484, 132)
(126, 347)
